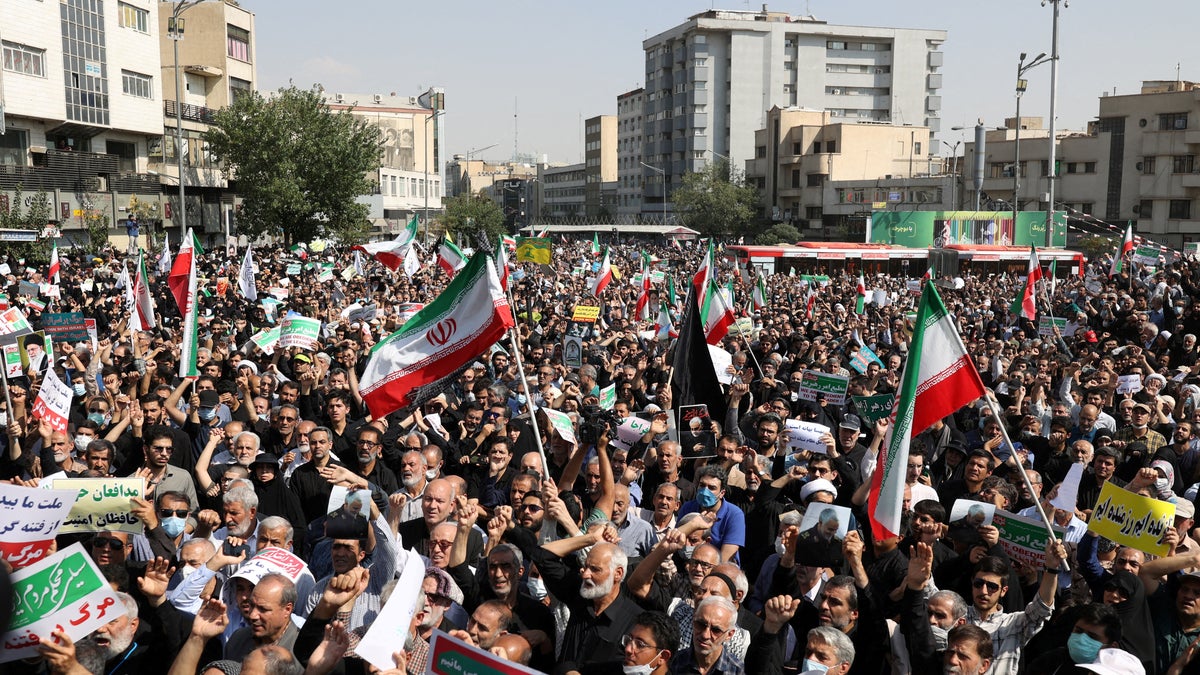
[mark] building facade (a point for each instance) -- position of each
(561, 192)
(711, 80)
(408, 177)
(470, 176)
(600, 162)
(81, 90)
(629, 152)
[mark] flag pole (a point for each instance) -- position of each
(515, 340)
(749, 350)
(12, 437)
(1020, 469)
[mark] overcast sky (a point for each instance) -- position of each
(558, 62)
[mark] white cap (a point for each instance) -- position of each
(1115, 662)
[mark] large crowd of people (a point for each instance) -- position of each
(642, 540)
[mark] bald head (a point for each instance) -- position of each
(516, 648)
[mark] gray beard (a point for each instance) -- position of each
(596, 590)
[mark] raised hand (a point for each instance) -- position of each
(211, 620)
(344, 589)
(154, 582)
(778, 611)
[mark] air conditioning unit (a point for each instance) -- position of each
(379, 98)
(339, 97)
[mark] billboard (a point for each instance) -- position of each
(934, 229)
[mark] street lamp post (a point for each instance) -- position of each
(1022, 68)
(953, 173)
(1053, 172)
(425, 163)
(175, 33)
(663, 173)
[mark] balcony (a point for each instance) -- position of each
(55, 169)
(191, 113)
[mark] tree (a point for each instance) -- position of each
(32, 213)
(1096, 246)
(472, 217)
(780, 233)
(716, 201)
(298, 165)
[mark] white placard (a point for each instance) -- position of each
(1129, 384)
(721, 361)
(806, 436)
(562, 424)
(54, 401)
(387, 633)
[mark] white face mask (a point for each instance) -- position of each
(644, 669)
(1161, 484)
(431, 474)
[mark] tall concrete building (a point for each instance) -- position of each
(217, 63)
(82, 99)
(600, 165)
(711, 80)
(630, 111)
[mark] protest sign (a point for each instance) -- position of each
(1046, 326)
(64, 592)
(293, 269)
(814, 512)
(1023, 539)
(274, 561)
(1146, 255)
(608, 397)
(299, 331)
(1129, 384)
(93, 333)
(53, 402)
(562, 424)
(632, 429)
(1131, 519)
(266, 340)
(879, 297)
(28, 288)
(391, 625)
(806, 435)
(970, 513)
(722, 360)
(816, 383)
(357, 502)
(573, 351)
(29, 520)
(863, 358)
(407, 310)
(451, 656)
(914, 286)
(102, 504)
(872, 408)
(65, 326)
(585, 313)
(12, 360)
(364, 312)
(13, 323)
(696, 436)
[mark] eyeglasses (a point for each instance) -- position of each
(532, 508)
(178, 513)
(987, 586)
(637, 643)
(702, 626)
(367, 444)
(434, 543)
(162, 448)
(694, 562)
(281, 418)
(111, 542)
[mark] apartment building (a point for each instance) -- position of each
(711, 80)
(629, 152)
(600, 165)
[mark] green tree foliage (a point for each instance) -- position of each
(1095, 245)
(35, 216)
(472, 217)
(298, 164)
(780, 233)
(716, 201)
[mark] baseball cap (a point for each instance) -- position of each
(1185, 509)
(302, 358)
(851, 422)
(209, 398)
(1143, 406)
(1114, 661)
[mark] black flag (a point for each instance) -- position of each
(694, 380)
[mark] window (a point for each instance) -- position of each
(1145, 209)
(812, 212)
(816, 147)
(1183, 163)
(22, 59)
(126, 151)
(13, 145)
(133, 17)
(795, 178)
(238, 88)
(1089, 167)
(816, 179)
(830, 146)
(238, 40)
(797, 148)
(1181, 209)
(1172, 121)
(917, 148)
(760, 151)
(136, 84)
(1148, 166)
(84, 56)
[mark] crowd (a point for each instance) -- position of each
(652, 547)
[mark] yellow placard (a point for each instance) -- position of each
(102, 504)
(1132, 520)
(585, 313)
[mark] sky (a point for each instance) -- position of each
(556, 63)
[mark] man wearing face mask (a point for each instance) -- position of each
(728, 531)
(648, 647)
(1097, 627)
(60, 447)
(926, 619)
(166, 522)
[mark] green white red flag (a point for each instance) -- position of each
(759, 295)
(142, 312)
(860, 291)
(595, 244)
(449, 257)
(418, 360)
(1025, 304)
(716, 313)
(55, 267)
(707, 265)
(502, 260)
(939, 378)
(604, 276)
(663, 328)
(181, 267)
(1118, 262)
(189, 304)
(642, 310)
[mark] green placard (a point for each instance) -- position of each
(872, 408)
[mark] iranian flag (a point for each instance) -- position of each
(700, 280)
(928, 274)
(389, 253)
(595, 244)
(182, 266)
(663, 328)
(939, 378)
(642, 311)
(453, 330)
(164, 260)
(502, 261)
(604, 276)
(55, 266)
(1025, 304)
(860, 304)
(189, 305)
(509, 242)
(758, 295)
(1118, 262)
(810, 303)
(142, 313)
(449, 257)
(716, 313)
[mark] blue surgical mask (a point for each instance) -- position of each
(1083, 648)
(173, 526)
(80, 389)
(706, 498)
(206, 414)
(810, 666)
(98, 418)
